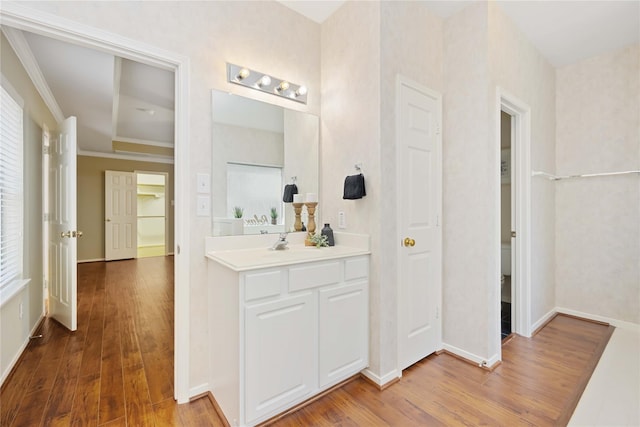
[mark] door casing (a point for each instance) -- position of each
(26, 18)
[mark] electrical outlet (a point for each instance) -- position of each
(342, 222)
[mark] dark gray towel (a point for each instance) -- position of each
(289, 191)
(354, 187)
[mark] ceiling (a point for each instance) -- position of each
(126, 109)
(563, 31)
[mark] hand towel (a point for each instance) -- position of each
(289, 191)
(354, 187)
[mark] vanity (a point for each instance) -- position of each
(285, 325)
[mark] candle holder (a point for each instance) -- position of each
(297, 208)
(311, 225)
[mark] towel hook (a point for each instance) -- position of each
(358, 167)
(294, 179)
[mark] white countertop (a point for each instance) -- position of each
(242, 253)
(255, 258)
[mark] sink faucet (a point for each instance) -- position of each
(281, 243)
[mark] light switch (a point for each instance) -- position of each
(203, 183)
(342, 222)
(204, 206)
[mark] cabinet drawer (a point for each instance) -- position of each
(262, 284)
(356, 268)
(314, 275)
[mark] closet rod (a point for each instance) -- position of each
(586, 175)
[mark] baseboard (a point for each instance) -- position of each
(384, 380)
(198, 391)
(7, 371)
(80, 261)
(536, 327)
(489, 364)
(614, 322)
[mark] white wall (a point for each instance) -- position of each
(264, 36)
(598, 219)
(14, 330)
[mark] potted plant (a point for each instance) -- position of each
(274, 216)
(238, 212)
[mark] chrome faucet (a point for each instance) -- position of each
(281, 244)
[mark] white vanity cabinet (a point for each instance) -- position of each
(284, 334)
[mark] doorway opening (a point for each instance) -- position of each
(152, 200)
(507, 311)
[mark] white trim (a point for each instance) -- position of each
(21, 47)
(198, 390)
(622, 324)
(30, 19)
(521, 245)
(81, 261)
(478, 360)
(10, 291)
(143, 142)
(7, 86)
(400, 81)
(544, 319)
(132, 157)
(13, 362)
(384, 379)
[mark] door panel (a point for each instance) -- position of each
(419, 200)
(62, 226)
(120, 215)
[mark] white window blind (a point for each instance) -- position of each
(11, 190)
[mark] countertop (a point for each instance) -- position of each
(256, 258)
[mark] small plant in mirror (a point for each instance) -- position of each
(238, 212)
(274, 216)
(319, 240)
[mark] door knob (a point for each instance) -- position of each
(108, 219)
(409, 242)
(79, 233)
(67, 234)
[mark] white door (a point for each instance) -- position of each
(419, 162)
(120, 215)
(62, 236)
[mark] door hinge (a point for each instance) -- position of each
(438, 129)
(46, 149)
(178, 249)
(45, 217)
(437, 312)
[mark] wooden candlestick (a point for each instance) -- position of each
(311, 225)
(297, 208)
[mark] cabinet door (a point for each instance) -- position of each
(280, 354)
(344, 332)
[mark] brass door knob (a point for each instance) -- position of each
(409, 242)
(67, 234)
(79, 233)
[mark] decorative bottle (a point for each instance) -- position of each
(327, 231)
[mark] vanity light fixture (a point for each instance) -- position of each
(264, 83)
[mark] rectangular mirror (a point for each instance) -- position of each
(258, 148)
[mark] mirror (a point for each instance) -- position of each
(257, 149)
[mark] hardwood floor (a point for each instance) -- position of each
(538, 383)
(117, 370)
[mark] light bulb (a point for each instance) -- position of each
(264, 81)
(302, 91)
(284, 85)
(243, 74)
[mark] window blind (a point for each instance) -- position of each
(11, 190)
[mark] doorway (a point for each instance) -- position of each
(152, 200)
(18, 16)
(507, 312)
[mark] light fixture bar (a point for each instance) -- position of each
(244, 76)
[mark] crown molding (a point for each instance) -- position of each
(20, 45)
(123, 156)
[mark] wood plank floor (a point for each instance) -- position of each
(117, 370)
